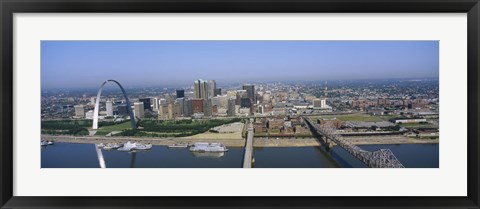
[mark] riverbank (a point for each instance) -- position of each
(154, 141)
(240, 142)
(389, 139)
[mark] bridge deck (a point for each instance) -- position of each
(383, 158)
(247, 159)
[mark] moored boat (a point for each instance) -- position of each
(143, 146)
(208, 154)
(50, 142)
(129, 146)
(178, 145)
(101, 145)
(208, 147)
(126, 149)
(43, 143)
(110, 146)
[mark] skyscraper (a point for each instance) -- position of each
(240, 94)
(122, 109)
(173, 110)
(231, 107)
(250, 92)
(139, 109)
(146, 103)
(212, 85)
(200, 89)
(109, 106)
(155, 103)
(187, 108)
(162, 111)
(181, 102)
(79, 111)
(207, 107)
(180, 93)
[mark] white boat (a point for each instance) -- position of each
(208, 154)
(143, 146)
(110, 146)
(179, 145)
(129, 146)
(101, 145)
(126, 149)
(208, 147)
(43, 143)
(50, 142)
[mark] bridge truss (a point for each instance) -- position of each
(383, 158)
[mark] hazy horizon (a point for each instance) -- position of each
(86, 64)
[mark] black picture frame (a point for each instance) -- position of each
(9, 7)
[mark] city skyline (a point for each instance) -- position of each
(73, 64)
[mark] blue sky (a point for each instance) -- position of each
(80, 64)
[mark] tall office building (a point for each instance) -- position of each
(231, 107)
(109, 106)
(173, 111)
(250, 92)
(200, 88)
(122, 109)
(321, 103)
(79, 111)
(146, 103)
(207, 107)
(162, 101)
(240, 94)
(92, 100)
(212, 85)
(197, 105)
(220, 101)
(245, 103)
(163, 112)
(139, 110)
(180, 93)
(156, 103)
(187, 108)
(181, 102)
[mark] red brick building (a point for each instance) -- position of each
(197, 105)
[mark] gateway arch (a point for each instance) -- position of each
(97, 104)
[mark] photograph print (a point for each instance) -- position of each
(239, 104)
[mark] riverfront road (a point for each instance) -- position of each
(247, 159)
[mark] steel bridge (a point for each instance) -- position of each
(383, 158)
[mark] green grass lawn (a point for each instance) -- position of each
(102, 132)
(388, 117)
(178, 128)
(116, 127)
(418, 125)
